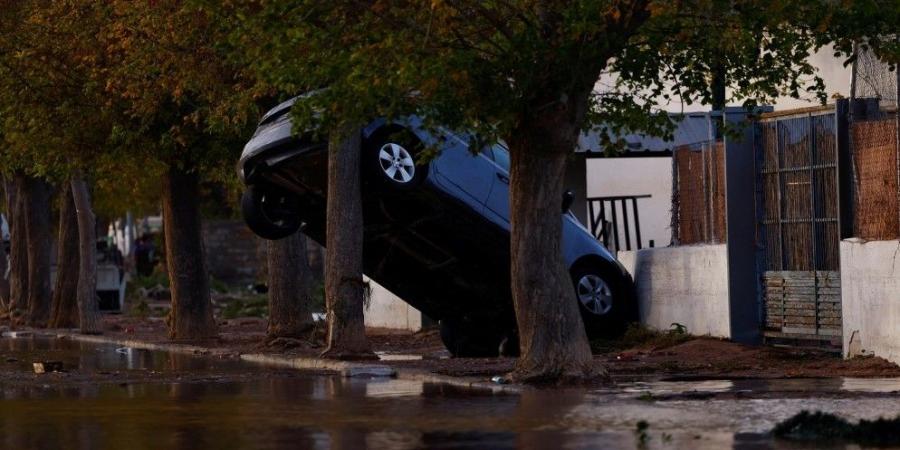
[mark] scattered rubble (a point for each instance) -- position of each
(824, 427)
(48, 367)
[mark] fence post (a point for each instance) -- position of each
(851, 149)
(675, 221)
(845, 178)
(745, 317)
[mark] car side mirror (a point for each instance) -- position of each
(567, 200)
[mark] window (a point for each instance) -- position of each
(501, 156)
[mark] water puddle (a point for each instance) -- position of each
(106, 399)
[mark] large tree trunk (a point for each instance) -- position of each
(18, 248)
(344, 287)
(64, 307)
(86, 298)
(290, 288)
(37, 208)
(552, 338)
(191, 317)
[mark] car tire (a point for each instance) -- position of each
(473, 341)
(604, 299)
(270, 212)
(391, 159)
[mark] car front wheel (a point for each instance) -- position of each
(604, 300)
(270, 212)
(391, 156)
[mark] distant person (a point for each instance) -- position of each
(144, 254)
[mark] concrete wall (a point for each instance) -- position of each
(870, 290)
(386, 310)
(234, 254)
(686, 285)
(637, 176)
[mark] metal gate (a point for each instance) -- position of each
(798, 226)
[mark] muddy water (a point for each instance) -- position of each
(130, 399)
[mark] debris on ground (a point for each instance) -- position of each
(642, 355)
(497, 379)
(819, 426)
(48, 367)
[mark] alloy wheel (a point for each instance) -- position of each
(595, 294)
(397, 163)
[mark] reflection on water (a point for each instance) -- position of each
(794, 385)
(385, 356)
(293, 410)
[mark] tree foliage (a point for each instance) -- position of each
(527, 71)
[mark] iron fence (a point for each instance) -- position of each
(616, 222)
(797, 170)
(798, 226)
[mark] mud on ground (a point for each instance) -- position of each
(657, 356)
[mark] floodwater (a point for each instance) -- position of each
(175, 401)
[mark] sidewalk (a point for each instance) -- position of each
(421, 356)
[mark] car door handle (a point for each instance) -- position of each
(503, 178)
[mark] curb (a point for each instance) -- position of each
(345, 368)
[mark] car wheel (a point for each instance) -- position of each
(473, 341)
(603, 299)
(392, 155)
(270, 212)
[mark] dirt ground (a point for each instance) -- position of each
(645, 357)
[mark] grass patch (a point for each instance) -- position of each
(140, 310)
(820, 426)
(639, 336)
(217, 285)
(257, 306)
(157, 278)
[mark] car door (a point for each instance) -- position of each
(469, 174)
(498, 200)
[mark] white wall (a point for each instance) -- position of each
(829, 68)
(686, 285)
(870, 291)
(637, 176)
(832, 72)
(386, 310)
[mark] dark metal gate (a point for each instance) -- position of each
(605, 222)
(798, 227)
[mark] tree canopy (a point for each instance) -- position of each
(485, 65)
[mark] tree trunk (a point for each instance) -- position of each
(18, 248)
(37, 210)
(86, 298)
(64, 307)
(553, 343)
(344, 287)
(191, 317)
(290, 288)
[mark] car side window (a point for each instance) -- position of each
(501, 156)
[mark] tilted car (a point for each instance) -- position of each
(436, 229)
